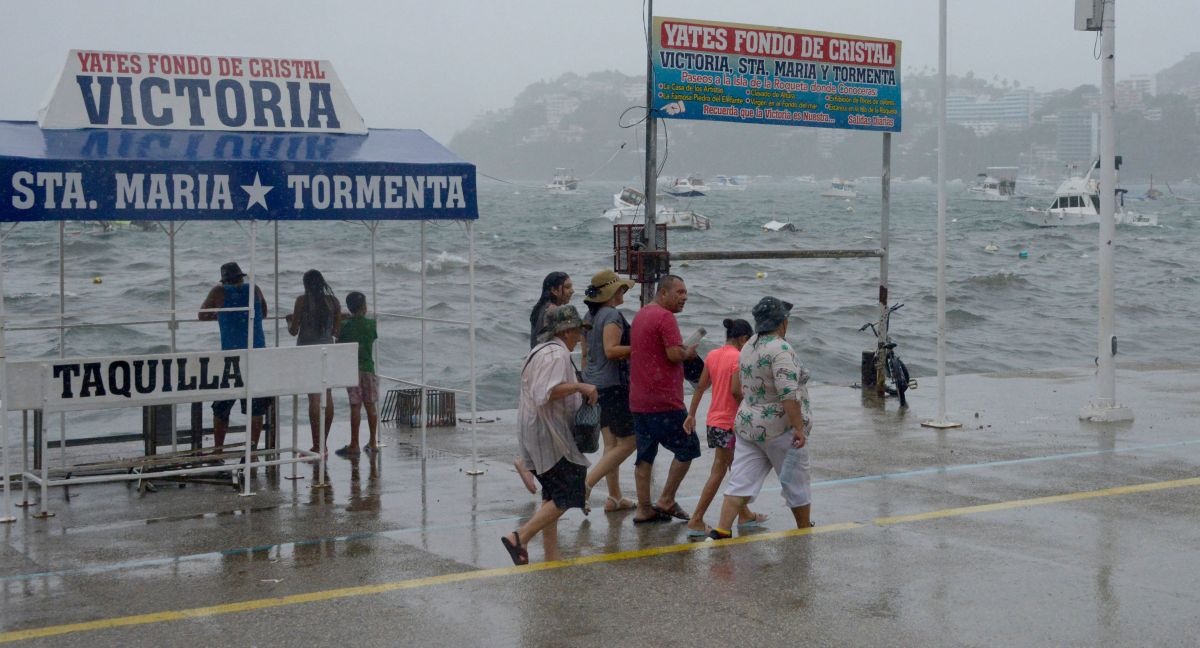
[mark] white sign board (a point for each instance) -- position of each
(100, 89)
(69, 384)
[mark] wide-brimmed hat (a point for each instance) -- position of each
(769, 314)
(604, 286)
(559, 319)
(231, 272)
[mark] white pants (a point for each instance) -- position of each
(753, 460)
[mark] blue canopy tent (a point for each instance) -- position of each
(173, 176)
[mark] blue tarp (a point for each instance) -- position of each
(116, 174)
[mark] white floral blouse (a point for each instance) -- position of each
(770, 374)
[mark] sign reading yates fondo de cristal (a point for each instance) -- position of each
(189, 92)
(772, 75)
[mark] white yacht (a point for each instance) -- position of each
(627, 210)
(692, 186)
(1077, 202)
(806, 179)
(999, 184)
(989, 189)
(840, 189)
(564, 181)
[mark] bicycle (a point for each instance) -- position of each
(894, 369)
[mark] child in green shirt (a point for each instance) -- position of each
(361, 329)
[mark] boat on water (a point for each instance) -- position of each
(564, 181)
(627, 209)
(692, 186)
(806, 179)
(728, 183)
(999, 184)
(840, 189)
(1077, 202)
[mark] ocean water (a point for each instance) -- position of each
(1004, 312)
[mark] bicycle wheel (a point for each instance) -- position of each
(899, 377)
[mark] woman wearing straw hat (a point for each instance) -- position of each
(550, 395)
(773, 421)
(606, 365)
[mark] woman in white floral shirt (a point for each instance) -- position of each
(773, 421)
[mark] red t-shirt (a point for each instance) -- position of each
(722, 363)
(655, 383)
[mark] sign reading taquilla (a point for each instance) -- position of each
(100, 89)
(65, 384)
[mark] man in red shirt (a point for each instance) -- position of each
(656, 399)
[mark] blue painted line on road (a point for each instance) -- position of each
(395, 533)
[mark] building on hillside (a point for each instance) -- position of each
(984, 114)
(1078, 137)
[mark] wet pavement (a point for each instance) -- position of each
(1023, 527)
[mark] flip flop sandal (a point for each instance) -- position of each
(618, 505)
(659, 516)
(515, 551)
(698, 533)
(759, 518)
(674, 512)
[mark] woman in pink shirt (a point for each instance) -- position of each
(720, 365)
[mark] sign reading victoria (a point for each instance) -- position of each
(187, 92)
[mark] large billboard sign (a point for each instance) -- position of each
(772, 75)
(188, 92)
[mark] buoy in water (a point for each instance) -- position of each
(1024, 254)
(760, 275)
(991, 248)
(97, 280)
(685, 264)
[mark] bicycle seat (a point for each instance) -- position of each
(890, 345)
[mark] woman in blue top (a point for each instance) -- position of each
(316, 319)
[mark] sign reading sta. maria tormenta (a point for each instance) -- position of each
(189, 92)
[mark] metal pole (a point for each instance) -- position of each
(1104, 407)
(650, 231)
(374, 227)
(173, 326)
(884, 215)
(251, 307)
(474, 470)
(62, 348)
(275, 298)
(44, 513)
(424, 395)
(5, 433)
(941, 422)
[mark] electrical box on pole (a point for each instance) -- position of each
(1089, 15)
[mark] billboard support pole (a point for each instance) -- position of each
(649, 232)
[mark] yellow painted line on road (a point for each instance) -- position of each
(381, 588)
(481, 574)
(1038, 501)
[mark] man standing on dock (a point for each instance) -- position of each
(656, 399)
(233, 292)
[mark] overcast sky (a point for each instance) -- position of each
(437, 64)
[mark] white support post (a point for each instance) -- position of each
(43, 512)
(251, 307)
(940, 422)
(374, 227)
(1103, 407)
(62, 337)
(424, 394)
(5, 433)
(474, 470)
(173, 326)
(322, 482)
(295, 433)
